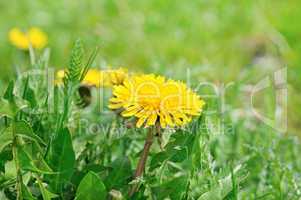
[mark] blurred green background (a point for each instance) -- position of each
(220, 41)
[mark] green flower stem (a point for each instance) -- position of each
(141, 165)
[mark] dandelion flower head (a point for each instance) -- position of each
(153, 99)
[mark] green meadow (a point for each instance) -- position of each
(61, 141)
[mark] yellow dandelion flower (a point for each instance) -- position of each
(100, 78)
(18, 38)
(37, 38)
(22, 40)
(153, 99)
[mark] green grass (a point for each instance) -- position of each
(61, 150)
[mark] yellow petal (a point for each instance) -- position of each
(168, 120)
(130, 111)
(115, 106)
(140, 122)
(162, 121)
(114, 100)
(152, 119)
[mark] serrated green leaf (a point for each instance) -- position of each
(11, 108)
(173, 189)
(27, 163)
(91, 188)
(7, 109)
(177, 150)
(45, 193)
(61, 158)
(6, 138)
(38, 158)
(26, 194)
(79, 175)
(119, 174)
(222, 189)
(23, 129)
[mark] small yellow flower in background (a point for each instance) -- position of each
(22, 40)
(100, 78)
(18, 38)
(37, 38)
(153, 99)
